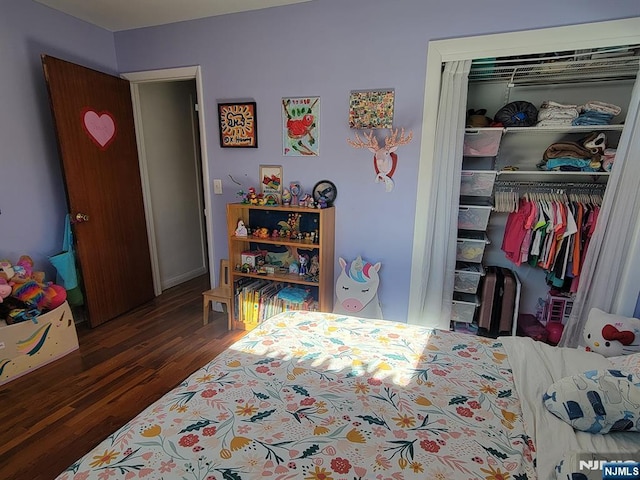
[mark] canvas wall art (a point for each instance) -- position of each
(371, 109)
(238, 125)
(300, 120)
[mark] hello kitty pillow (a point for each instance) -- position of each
(611, 335)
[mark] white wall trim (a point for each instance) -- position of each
(167, 75)
(146, 190)
(574, 37)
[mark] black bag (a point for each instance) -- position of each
(517, 114)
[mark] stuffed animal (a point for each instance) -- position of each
(6, 270)
(611, 335)
(29, 286)
(23, 271)
(44, 296)
(5, 289)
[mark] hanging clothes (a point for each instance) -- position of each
(552, 232)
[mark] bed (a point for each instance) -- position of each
(319, 396)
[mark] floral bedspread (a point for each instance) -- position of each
(319, 396)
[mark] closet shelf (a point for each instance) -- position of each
(555, 129)
(577, 67)
(554, 176)
(567, 129)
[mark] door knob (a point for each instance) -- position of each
(81, 217)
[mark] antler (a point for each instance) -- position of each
(391, 141)
(372, 142)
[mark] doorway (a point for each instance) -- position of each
(174, 173)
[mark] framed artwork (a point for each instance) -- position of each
(371, 109)
(271, 183)
(300, 120)
(238, 125)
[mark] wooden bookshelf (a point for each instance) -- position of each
(283, 250)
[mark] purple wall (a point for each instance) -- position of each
(321, 48)
(32, 198)
(327, 48)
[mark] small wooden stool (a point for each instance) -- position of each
(222, 294)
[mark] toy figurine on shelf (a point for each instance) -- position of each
(252, 197)
(306, 200)
(244, 199)
(314, 269)
(241, 229)
(304, 261)
(261, 232)
(296, 191)
(286, 197)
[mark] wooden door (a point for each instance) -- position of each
(93, 118)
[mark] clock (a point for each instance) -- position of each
(325, 191)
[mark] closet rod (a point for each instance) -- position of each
(558, 185)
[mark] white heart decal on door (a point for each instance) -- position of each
(101, 128)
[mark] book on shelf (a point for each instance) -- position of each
(257, 299)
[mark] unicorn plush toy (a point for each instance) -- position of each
(357, 289)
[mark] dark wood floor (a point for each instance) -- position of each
(54, 415)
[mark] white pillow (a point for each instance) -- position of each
(597, 401)
(611, 335)
(627, 363)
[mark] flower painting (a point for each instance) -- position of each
(300, 120)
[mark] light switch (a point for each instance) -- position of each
(217, 186)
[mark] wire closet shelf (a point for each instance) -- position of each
(594, 65)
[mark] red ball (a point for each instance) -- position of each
(555, 332)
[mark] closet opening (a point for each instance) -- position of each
(551, 162)
(436, 212)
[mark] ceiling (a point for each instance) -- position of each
(116, 15)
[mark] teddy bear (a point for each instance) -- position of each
(611, 335)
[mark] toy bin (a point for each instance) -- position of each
(477, 183)
(467, 277)
(463, 307)
(470, 246)
(482, 142)
(473, 213)
(28, 345)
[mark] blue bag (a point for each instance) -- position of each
(65, 264)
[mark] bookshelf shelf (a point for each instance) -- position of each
(254, 292)
(276, 277)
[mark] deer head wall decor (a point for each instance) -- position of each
(384, 158)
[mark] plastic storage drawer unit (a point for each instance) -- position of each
(477, 183)
(470, 246)
(482, 142)
(463, 307)
(473, 213)
(467, 277)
